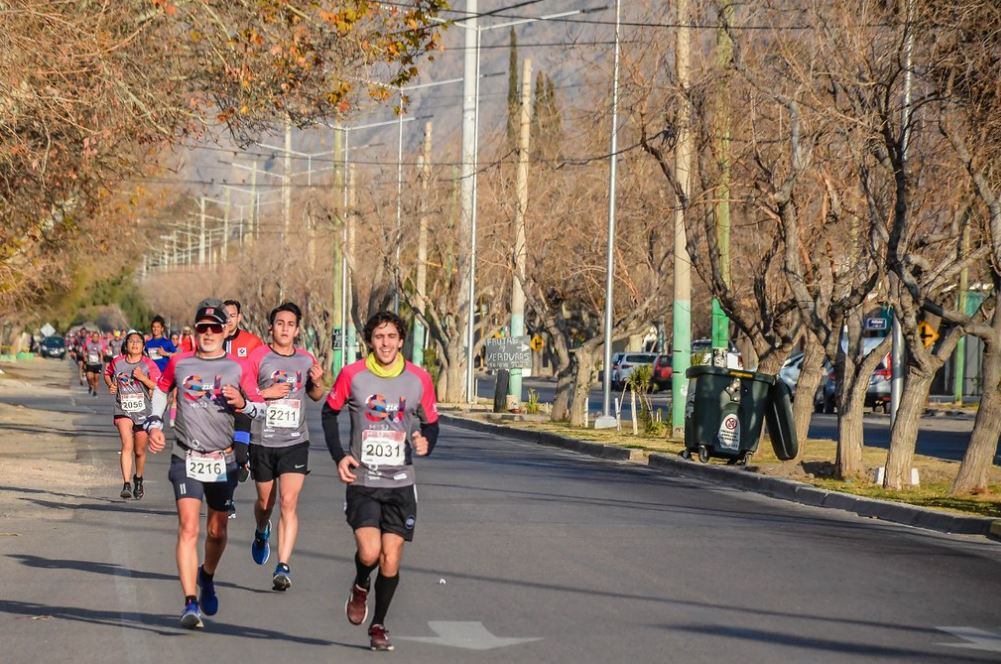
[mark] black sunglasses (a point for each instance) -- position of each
(214, 328)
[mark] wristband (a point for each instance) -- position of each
(242, 437)
(151, 422)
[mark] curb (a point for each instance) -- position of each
(598, 450)
(798, 492)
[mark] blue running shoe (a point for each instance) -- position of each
(260, 550)
(282, 578)
(208, 599)
(192, 617)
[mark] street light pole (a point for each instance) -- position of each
(468, 173)
(606, 420)
(897, 347)
(521, 205)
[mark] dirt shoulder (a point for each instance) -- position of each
(39, 449)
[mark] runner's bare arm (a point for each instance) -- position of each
(314, 386)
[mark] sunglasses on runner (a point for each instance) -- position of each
(214, 328)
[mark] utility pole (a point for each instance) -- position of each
(467, 232)
(287, 182)
(254, 202)
(417, 356)
(349, 256)
(682, 351)
(724, 55)
(521, 204)
(339, 177)
(201, 235)
(959, 368)
(399, 207)
(225, 227)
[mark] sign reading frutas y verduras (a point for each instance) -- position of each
(509, 353)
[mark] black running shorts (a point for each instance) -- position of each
(391, 510)
(267, 463)
(218, 495)
(93, 368)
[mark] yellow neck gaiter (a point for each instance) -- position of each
(391, 371)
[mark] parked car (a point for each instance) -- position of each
(52, 347)
(615, 360)
(702, 353)
(662, 372)
(626, 364)
(877, 395)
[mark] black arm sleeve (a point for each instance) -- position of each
(241, 428)
(430, 431)
(331, 433)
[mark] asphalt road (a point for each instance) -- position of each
(529, 553)
(941, 437)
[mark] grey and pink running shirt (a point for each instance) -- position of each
(384, 412)
(137, 397)
(284, 423)
(93, 352)
(204, 420)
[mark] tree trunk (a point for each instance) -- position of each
(810, 374)
(979, 457)
(564, 378)
(455, 373)
(904, 434)
(581, 385)
(853, 383)
(848, 459)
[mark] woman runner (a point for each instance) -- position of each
(132, 377)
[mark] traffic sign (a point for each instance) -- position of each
(48, 330)
(876, 323)
(509, 353)
(337, 338)
(537, 343)
(929, 334)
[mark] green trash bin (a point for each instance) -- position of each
(725, 412)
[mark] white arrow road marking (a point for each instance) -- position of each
(978, 639)
(468, 635)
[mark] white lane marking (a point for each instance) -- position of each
(976, 639)
(469, 635)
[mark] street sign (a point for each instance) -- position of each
(337, 338)
(509, 353)
(48, 330)
(929, 334)
(876, 323)
(537, 343)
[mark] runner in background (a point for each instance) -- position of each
(93, 354)
(132, 377)
(279, 445)
(204, 458)
(175, 339)
(159, 348)
(116, 345)
(187, 343)
(239, 344)
(78, 342)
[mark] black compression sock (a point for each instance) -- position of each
(188, 599)
(385, 588)
(205, 575)
(363, 572)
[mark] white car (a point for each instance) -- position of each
(626, 364)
